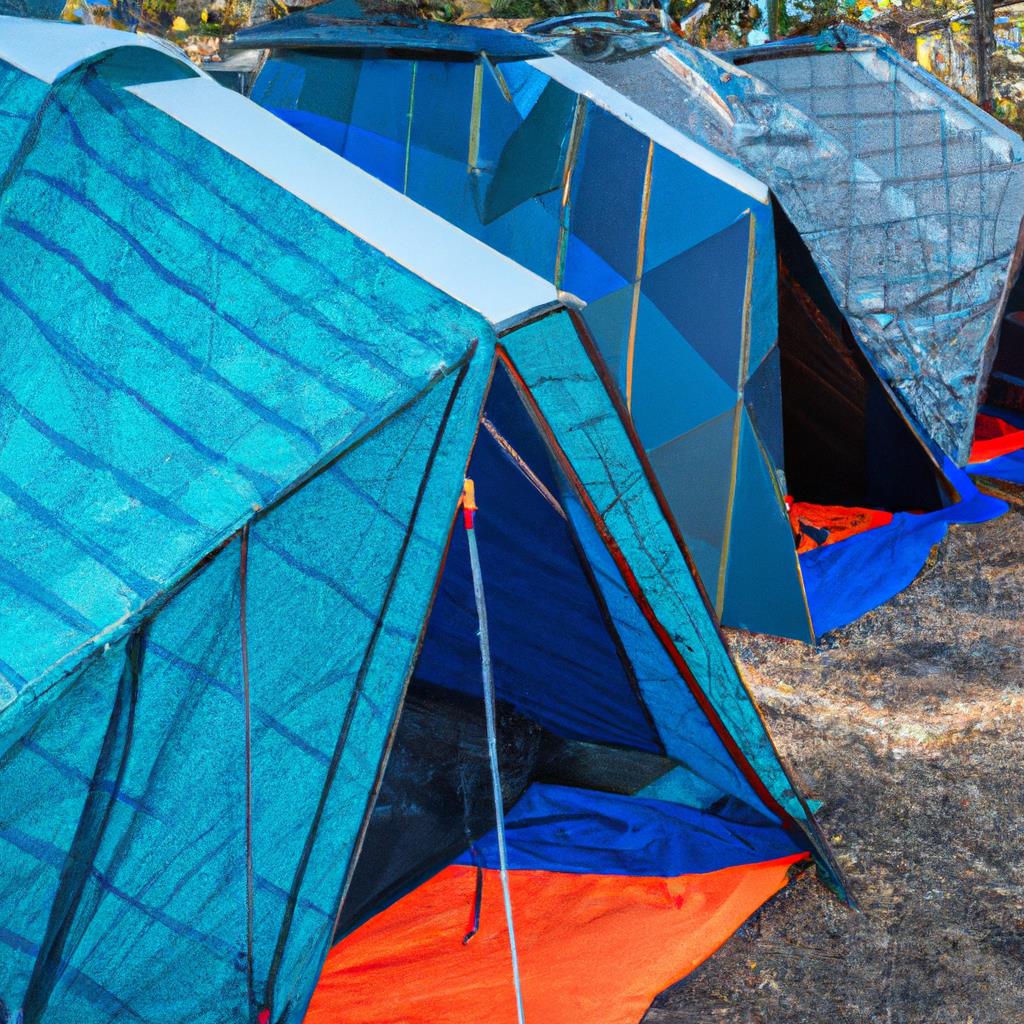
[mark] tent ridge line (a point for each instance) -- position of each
(565, 301)
(111, 41)
(619, 106)
(579, 116)
(393, 729)
(641, 245)
(737, 422)
(350, 711)
(613, 631)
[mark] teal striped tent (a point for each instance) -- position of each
(243, 382)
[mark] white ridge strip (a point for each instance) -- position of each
(572, 77)
(48, 49)
(441, 254)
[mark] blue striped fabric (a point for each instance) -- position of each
(182, 357)
(191, 350)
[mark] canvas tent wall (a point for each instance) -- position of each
(244, 381)
(575, 166)
(923, 277)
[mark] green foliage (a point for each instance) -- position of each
(536, 9)
(431, 10)
(812, 16)
(159, 11)
(438, 10)
(733, 17)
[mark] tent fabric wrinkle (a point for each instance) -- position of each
(1008, 468)
(629, 937)
(556, 828)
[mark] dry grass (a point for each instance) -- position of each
(909, 725)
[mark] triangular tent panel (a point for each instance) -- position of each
(658, 382)
(720, 264)
(696, 456)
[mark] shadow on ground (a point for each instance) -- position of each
(909, 725)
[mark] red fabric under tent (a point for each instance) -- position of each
(614, 899)
(995, 437)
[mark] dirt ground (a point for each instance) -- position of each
(909, 725)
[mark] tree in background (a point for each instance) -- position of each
(984, 47)
(944, 36)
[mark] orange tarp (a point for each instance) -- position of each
(594, 948)
(839, 521)
(994, 437)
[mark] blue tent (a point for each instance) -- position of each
(243, 383)
(671, 249)
(573, 163)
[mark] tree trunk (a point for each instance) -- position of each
(984, 48)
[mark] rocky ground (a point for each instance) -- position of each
(909, 725)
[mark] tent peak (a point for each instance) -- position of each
(323, 29)
(49, 50)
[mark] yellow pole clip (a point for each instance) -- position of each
(468, 503)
